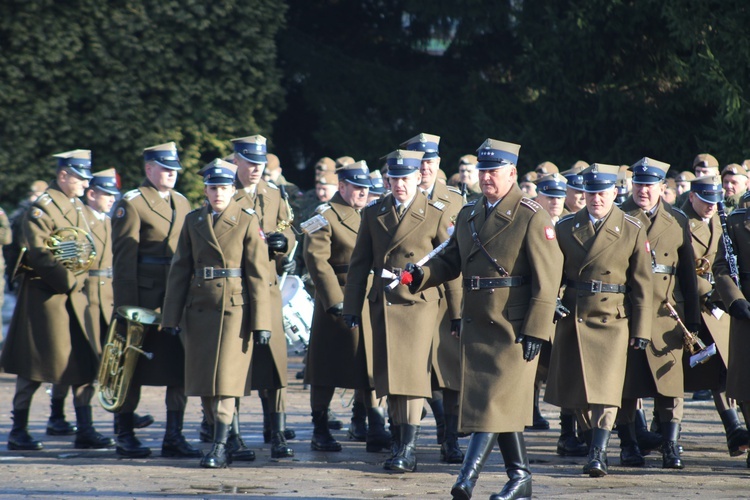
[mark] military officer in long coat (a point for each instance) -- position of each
(705, 228)
(505, 247)
(145, 229)
(574, 195)
(607, 278)
(657, 371)
(393, 231)
(218, 293)
(269, 365)
(47, 339)
(446, 362)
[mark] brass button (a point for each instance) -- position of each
(580, 320)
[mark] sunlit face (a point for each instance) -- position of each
(162, 178)
(599, 204)
(575, 200)
(553, 205)
(219, 195)
(249, 173)
(468, 174)
(355, 196)
(72, 184)
(404, 188)
(272, 175)
(704, 209)
(429, 169)
(669, 195)
(701, 170)
(325, 192)
(99, 200)
(646, 196)
(682, 187)
(528, 189)
(734, 184)
(497, 182)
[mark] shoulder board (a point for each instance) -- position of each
(567, 217)
(531, 204)
(454, 189)
(131, 194)
(273, 186)
(633, 220)
(678, 211)
(373, 202)
(438, 204)
(249, 211)
(738, 211)
(178, 194)
(44, 199)
(322, 208)
(469, 203)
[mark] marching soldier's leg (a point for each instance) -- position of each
(737, 436)
(128, 446)
(449, 450)
(378, 438)
(265, 401)
(647, 440)
(539, 422)
(438, 411)
(517, 467)
(630, 452)
(320, 400)
(670, 411)
(86, 436)
(568, 444)
(480, 446)
(410, 413)
(395, 430)
(277, 417)
(19, 438)
(358, 427)
(236, 447)
(207, 424)
(174, 444)
(57, 425)
(602, 420)
(222, 409)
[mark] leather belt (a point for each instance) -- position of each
(596, 286)
(156, 261)
(209, 273)
(341, 269)
(107, 273)
(661, 269)
(708, 277)
(477, 283)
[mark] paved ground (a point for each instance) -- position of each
(60, 471)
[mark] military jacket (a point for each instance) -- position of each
(99, 288)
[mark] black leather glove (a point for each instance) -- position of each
(351, 321)
(639, 344)
(456, 326)
(277, 243)
(172, 330)
(288, 265)
(740, 309)
(262, 337)
(531, 346)
(336, 310)
(417, 275)
(560, 311)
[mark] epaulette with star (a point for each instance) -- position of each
(633, 220)
(531, 204)
(133, 193)
(322, 208)
(373, 202)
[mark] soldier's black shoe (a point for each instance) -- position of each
(406, 457)
(539, 423)
(647, 441)
(480, 446)
(217, 458)
(288, 433)
(235, 445)
(142, 421)
(322, 440)
(597, 460)
(333, 423)
(395, 445)
(450, 452)
(86, 436)
(19, 437)
(128, 446)
(568, 444)
(175, 445)
(358, 427)
(737, 436)
(630, 453)
(670, 453)
(57, 425)
(378, 439)
(516, 466)
(279, 448)
(704, 395)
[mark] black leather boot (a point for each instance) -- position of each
(175, 445)
(279, 448)
(235, 445)
(568, 444)
(218, 458)
(57, 425)
(406, 457)
(395, 445)
(19, 437)
(288, 433)
(630, 453)
(516, 466)
(598, 463)
(139, 422)
(449, 450)
(378, 439)
(333, 423)
(86, 436)
(737, 436)
(206, 431)
(647, 440)
(670, 458)
(358, 427)
(322, 440)
(128, 446)
(479, 449)
(438, 411)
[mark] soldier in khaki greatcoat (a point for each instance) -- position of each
(657, 371)
(504, 245)
(145, 229)
(574, 196)
(47, 340)
(269, 365)
(607, 278)
(446, 355)
(218, 293)
(395, 230)
(337, 355)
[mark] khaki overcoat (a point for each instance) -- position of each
(98, 289)
(589, 353)
(47, 340)
(144, 227)
(403, 324)
(497, 384)
(218, 315)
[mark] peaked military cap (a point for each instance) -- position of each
(494, 154)
(252, 148)
(403, 162)
(649, 171)
(105, 181)
(573, 175)
(733, 169)
(707, 188)
(164, 155)
(218, 172)
(376, 180)
(427, 143)
(355, 173)
(78, 161)
(599, 177)
(552, 185)
(705, 160)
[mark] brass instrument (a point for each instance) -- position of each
(120, 354)
(702, 266)
(73, 247)
(699, 353)
(285, 224)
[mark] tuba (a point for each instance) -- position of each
(121, 352)
(73, 248)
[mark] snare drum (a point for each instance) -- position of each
(297, 311)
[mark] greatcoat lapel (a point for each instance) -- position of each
(609, 233)
(203, 227)
(414, 216)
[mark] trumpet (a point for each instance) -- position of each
(699, 353)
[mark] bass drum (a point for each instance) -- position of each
(297, 311)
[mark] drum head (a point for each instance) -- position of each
(290, 288)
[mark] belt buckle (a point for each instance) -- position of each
(474, 283)
(596, 286)
(208, 273)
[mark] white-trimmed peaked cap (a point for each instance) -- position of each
(649, 171)
(552, 185)
(708, 188)
(252, 148)
(599, 177)
(376, 181)
(163, 154)
(497, 154)
(105, 181)
(218, 172)
(356, 173)
(77, 160)
(402, 162)
(427, 143)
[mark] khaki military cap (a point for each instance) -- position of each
(403, 162)
(78, 160)
(494, 154)
(252, 148)
(325, 164)
(649, 171)
(273, 162)
(218, 172)
(343, 161)
(599, 177)
(705, 160)
(163, 154)
(529, 177)
(426, 143)
(105, 181)
(685, 176)
(546, 167)
(467, 160)
(733, 169)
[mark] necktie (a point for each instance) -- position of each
(400, 210)
(598, 224)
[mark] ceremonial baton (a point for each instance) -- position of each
(405, 277)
